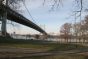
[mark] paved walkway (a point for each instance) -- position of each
(11, 52)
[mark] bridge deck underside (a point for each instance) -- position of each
(16, 17)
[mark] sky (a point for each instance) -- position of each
(49, 20)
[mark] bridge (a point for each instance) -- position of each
(16, 17)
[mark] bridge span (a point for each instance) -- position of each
(16, 17)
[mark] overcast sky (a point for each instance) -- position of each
(51, 21)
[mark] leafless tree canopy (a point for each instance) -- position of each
(78, 30)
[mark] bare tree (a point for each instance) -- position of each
(15, 4)
(66, 31)
(77, 31)
(80, 31)
(84, 28)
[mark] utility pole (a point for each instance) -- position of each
(4, 20)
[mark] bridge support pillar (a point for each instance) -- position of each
(3, 26)
(4, 18)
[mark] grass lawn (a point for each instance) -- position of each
(38, 44)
